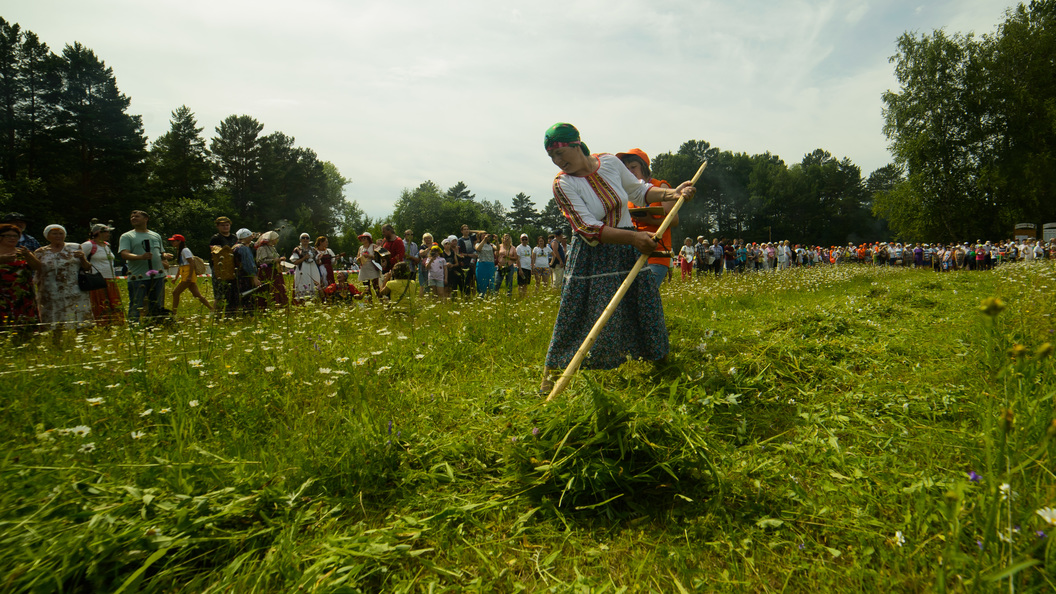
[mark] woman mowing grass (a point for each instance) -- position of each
(592, 192)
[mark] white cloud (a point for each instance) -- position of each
(395, 93)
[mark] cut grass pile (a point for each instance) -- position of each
(836, 429)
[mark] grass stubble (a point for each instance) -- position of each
(832, 429)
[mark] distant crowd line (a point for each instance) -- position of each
(60, 284)
(736, 256)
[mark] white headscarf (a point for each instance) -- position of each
(51, 228)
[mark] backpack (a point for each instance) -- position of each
(198, 265)
(224, 264)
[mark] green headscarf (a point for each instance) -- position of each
(562, 134)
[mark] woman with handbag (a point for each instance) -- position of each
(106, 302)
(186, 278)
(59, 298)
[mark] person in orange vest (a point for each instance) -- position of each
(637, 162)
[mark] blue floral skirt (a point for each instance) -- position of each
(637, 329)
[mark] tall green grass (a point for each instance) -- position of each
(838, 429)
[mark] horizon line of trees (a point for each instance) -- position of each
(972, 130)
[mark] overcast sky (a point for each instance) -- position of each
(395, 93)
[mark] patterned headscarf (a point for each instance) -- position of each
(562, 134)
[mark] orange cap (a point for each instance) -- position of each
(637, 152)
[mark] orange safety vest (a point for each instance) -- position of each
(646, 224)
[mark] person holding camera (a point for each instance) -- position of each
(141, 250)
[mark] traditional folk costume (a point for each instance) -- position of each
(269, 271)
(306, 275)
(594, 272)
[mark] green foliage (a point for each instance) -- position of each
(972, 123)
(586, 454)
(522, 212)
(427, 209)
(816, 425)
(759, 198)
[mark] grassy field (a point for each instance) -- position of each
(835, 429)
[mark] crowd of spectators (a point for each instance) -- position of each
(47, 287)
(736, 256)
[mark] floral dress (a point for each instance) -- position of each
(59, 299)
(18, 300)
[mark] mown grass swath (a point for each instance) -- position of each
(848, 428)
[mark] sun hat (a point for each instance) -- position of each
(524, 236)
(223, 220)
(365, 234)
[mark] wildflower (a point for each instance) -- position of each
(80, 383)
(269, 368)
(137, 434)
(390, 426)
(535, 431)
(147, 412)
(975, 478)
(1044, 350)
(232, 373)
(1048, 514)
(992, 306)
(193, 403)
(164, 411)
(195, 363)
(341, 359)
(419, 356)
(94, 401)
(733, 371)
(1040, 534)
(383, 369)
(899, 539)
(113, 385)
(81, 431)
(324, 370)
(1006, 489)
(376, 353)
(87, 447)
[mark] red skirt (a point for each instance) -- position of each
(106, 305)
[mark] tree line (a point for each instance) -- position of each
(70, 152)
(972, 127)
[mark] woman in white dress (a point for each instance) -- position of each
(306, 277)
(60, 301)
(369, 272)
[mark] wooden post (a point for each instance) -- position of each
(577, 360)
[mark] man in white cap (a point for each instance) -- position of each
(246, 280)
